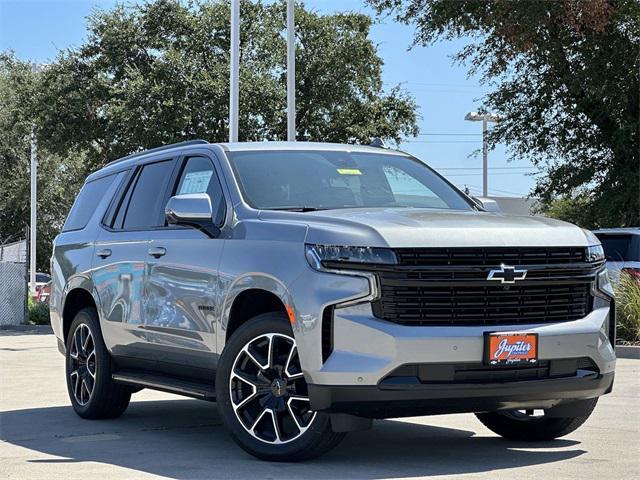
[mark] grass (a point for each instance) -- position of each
(628, 309)
(38, 313)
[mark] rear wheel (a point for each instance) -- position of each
(532, 425)
(92, 392)
(262, 394)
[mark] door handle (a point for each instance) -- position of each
(157, 252)
(104, 253)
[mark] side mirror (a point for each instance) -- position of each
(487, 204)
(192, 210)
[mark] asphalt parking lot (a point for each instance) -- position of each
(164, 436)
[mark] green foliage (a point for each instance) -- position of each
(570, 208)
(38, 312)
(565, 77)
(627, 293)
(58, 180)
(158, 73)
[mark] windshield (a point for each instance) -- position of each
(318, 180)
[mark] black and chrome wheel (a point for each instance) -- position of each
(83, 364)
(533, 425)
(92, 392)
(268, 391)
(262, 394)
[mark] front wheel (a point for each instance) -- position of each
(528, 426)
(262, 394)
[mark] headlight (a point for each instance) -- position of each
(595, 253)
(333, 256)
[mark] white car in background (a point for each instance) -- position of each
(622, 250)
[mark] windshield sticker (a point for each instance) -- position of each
(349, 171)
(195, 182)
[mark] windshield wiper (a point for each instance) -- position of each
(297, 209)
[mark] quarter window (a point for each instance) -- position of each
(86, 203)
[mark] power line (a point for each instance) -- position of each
(480, 168)
(441, 141)
(428, 84)
(480, 174)
(479, 189)
(451, 134)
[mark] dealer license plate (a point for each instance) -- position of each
(510, 348)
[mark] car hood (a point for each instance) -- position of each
(420, 227)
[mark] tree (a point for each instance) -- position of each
(58, 180)
(566, 78)
(158, 73)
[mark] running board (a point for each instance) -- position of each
(202, 391)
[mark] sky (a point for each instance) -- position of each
(36, 30)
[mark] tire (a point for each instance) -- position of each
(268, 391)
(92, 392)
(515, 425)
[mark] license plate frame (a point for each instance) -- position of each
(511, 352)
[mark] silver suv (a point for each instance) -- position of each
(310, 288)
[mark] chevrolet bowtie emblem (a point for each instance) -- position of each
(507, 274)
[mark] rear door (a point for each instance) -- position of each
(182, 286)
(120, 253)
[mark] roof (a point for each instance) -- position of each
(301, 146)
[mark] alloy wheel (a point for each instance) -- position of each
(82, 364)
(268, 391)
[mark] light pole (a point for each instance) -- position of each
(291, 72)
(485, 118)
(32, 222)
(234, 88)
(35, 68)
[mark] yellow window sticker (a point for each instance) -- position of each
(349, 171)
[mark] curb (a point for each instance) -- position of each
(628, 351)
(36, 329)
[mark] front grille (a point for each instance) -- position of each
(449, 286)
(490, 256)
(483, 304)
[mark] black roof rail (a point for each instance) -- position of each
(158, 149)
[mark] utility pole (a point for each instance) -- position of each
(234, 90)
(485, 160)
(291, 72)
(485, 118)
(32, 223)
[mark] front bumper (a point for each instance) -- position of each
(366, 349)
(415, 400)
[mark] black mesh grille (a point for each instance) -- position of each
(448, 286)
(490, 256)
(485, 305)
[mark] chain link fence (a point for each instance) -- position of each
(13, 283)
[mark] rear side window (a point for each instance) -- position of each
(86, 203)
(144, 206)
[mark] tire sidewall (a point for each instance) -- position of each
(262, 324)
(89, 317)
